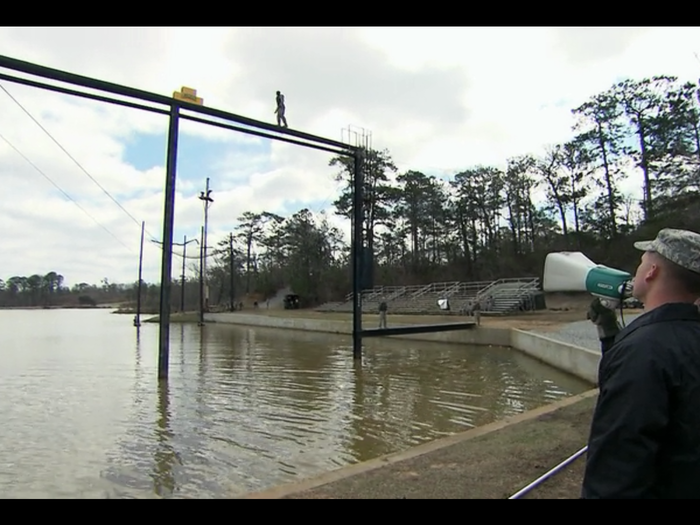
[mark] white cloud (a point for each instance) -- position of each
(440, 99)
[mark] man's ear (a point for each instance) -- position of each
(653, 272)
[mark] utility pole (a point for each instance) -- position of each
(230, 252)
(201, 279)
(137, 320)
(185, 242)
(205, 196)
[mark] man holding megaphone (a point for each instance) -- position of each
(645, 434)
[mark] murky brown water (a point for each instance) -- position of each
(245, 408)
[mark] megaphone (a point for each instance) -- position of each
(574, 272)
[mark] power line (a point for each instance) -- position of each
(62, 191)
(72, 158)
(80, 166)
(136, 221)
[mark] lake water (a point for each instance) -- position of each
(82, 414)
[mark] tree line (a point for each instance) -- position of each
(484, 223)
(47, 290)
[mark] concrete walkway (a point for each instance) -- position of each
(490, 462)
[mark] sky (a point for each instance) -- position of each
(439, 99)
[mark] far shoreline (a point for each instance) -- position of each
(60, 307)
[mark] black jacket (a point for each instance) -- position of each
(645, 434)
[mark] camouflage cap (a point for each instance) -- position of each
(679, 246)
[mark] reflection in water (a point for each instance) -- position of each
(182, 346)
(357, 407)
(84, 414)
(165, 457)
(138, 350)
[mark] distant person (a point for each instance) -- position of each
(476, 312)
(382, 314)
(605, 320)
(281, 119)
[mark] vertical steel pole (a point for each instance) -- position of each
(167, 258)
(357, 244)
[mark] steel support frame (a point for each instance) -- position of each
(173, 108)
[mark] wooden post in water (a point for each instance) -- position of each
(137, 321)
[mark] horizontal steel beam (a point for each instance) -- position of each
(66, 91)
(109, 100)
(261, 134)
(117, 89)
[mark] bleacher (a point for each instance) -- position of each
(499, 297)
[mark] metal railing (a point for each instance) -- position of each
(507, 294)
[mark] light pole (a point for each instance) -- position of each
(205, 196)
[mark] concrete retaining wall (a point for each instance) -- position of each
(575, 360)
(481, 336)
(330, 326)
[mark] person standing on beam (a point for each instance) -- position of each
(281, 119)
